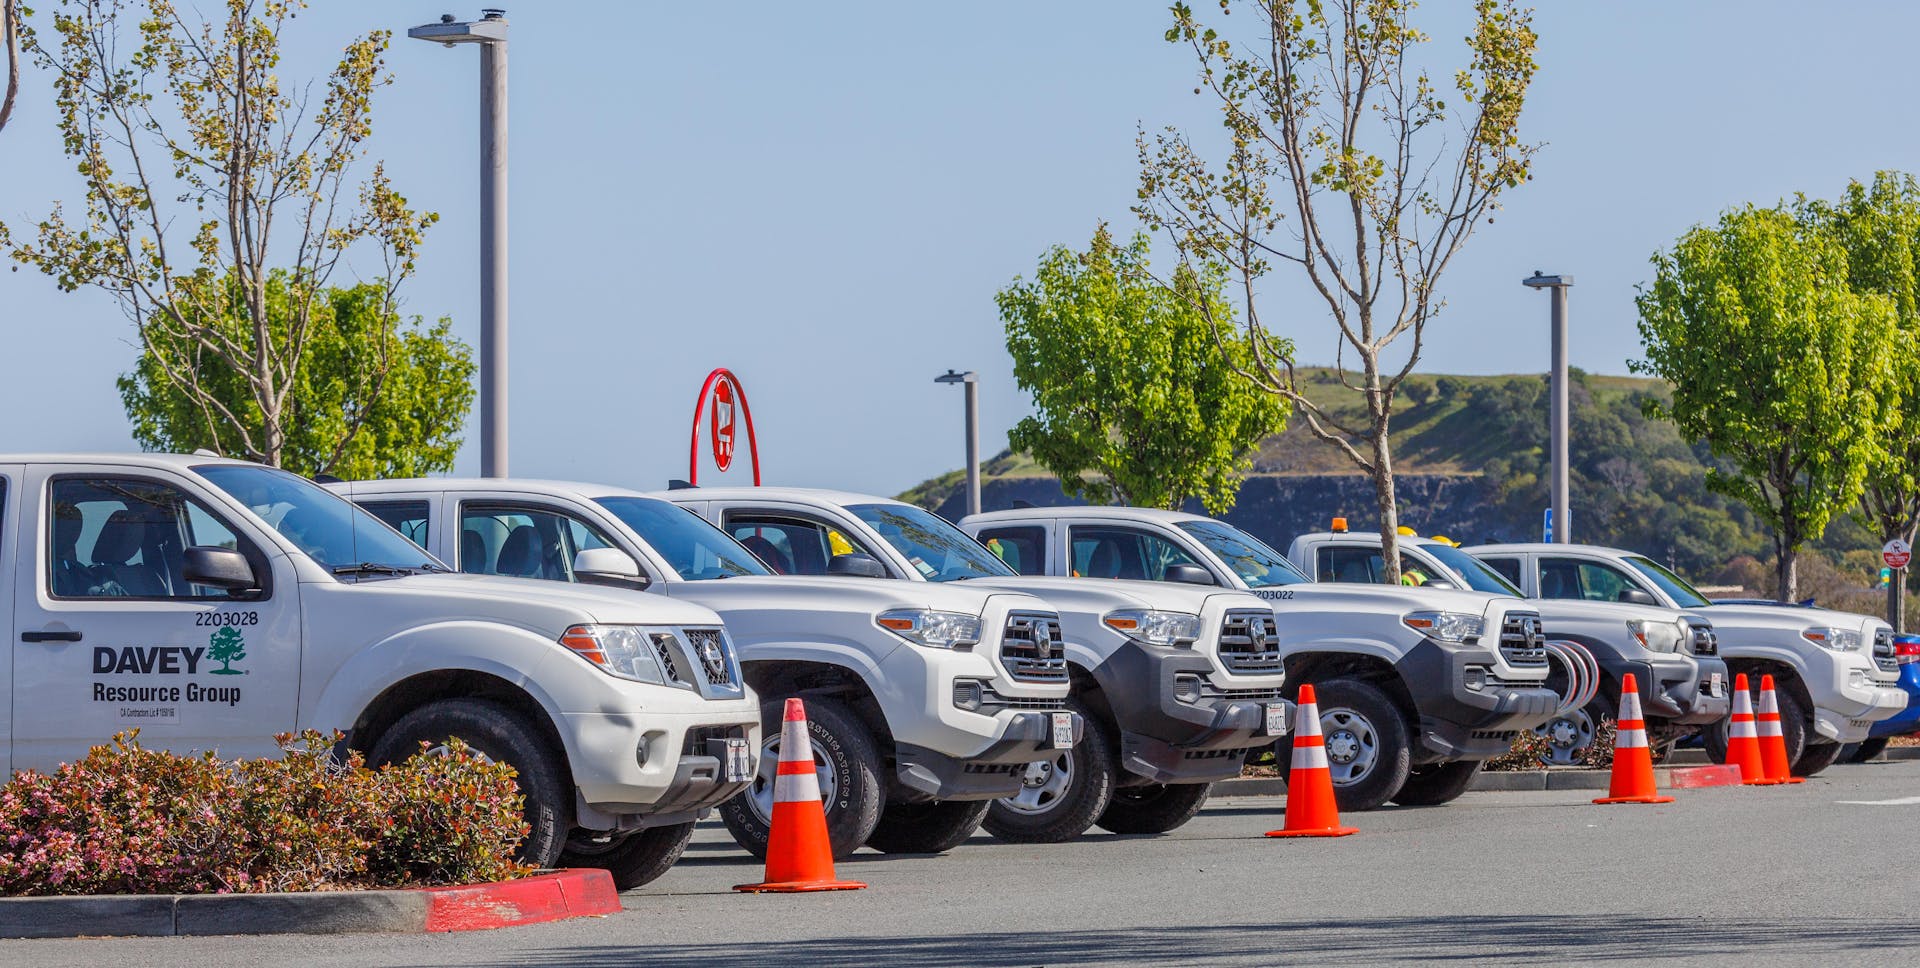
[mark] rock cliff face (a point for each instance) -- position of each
(1277, 508)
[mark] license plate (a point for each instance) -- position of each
(1716, 686)
(739, 763)
(1062, 731)
(1276, 718)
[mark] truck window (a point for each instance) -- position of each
(126, 538)
(1592, 581)
(1249, 557)
(930, 543)
(1101, 551)
(791, 544)
(693, 547)
(1024, 549)
(1509, 568)
(523, 542)
(1365, 566)
(407, 517)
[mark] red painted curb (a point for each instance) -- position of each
(553, 896)
(1691, 777)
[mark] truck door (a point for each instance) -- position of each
(111, 637)
(9, 553)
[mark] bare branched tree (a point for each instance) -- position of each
(10, 38)
(1342, 162)
(205, 181)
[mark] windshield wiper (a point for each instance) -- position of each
(375, 568)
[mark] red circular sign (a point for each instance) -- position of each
(1896, 554)
(724, 398)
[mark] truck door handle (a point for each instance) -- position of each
(67, 636)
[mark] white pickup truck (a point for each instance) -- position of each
(1417, 688)
(924, 703)
(1837, 672)
(214, 603)
(1672, 654)
(1177, 682)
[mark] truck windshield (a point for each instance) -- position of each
(328, 528)
(937, 550)
(696, 550)
(1676, 587)
(1478, 576)
(1256, 564)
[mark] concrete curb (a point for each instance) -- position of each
(551, 896)
(1668, 777)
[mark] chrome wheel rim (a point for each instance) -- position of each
(1568, 736)
(760, 794)
(1043, 785)
(1353, 746)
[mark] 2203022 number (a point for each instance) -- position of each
(226, 618)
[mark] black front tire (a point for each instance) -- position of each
(1864, 750)
(934, 827)
(842, 740)
(1431, 786)
(1393, 757)
(1154, 808)
(502, 735)
(1094, 772)
(1793, 724)
(1816, 757)
(635, 859)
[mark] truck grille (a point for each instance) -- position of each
(1704, 641)
(1249, 643)
(669, 662)
(697, 736)
(1031, 647)
(710, 650)
(1883, 655)
(1521, 641)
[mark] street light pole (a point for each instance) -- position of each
(490, 32)
(972, 382)
(1562, 512)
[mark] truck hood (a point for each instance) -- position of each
(865, 596)
(547, 607)
(1407, 598)
(1572, 608)
(1785, 617)
(1106, 594)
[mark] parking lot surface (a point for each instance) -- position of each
(1812, 874)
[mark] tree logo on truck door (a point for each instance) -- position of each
(227, 647)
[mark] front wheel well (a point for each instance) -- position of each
(796, 677)
(1320, 666)
(1784, 675)
(416, 691)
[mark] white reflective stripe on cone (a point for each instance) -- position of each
(1743, 704)
(1308, 720)
(1630, 739)
(1743, 729)
(795, 745)
(797, 788)
(1310, 757)
(1770, 727)
(1768, 704)
(1630, 706)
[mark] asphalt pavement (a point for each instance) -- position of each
(1818, 873)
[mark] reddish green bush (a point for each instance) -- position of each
(127, 820)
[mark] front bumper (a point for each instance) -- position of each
(684, 774)
(1460, 723)
(1165, 740)
(990, 774)
(1907, 720)
(1674, 689)
(1847, 698)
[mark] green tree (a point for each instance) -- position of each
(1342, 161)
(1136, 400)
(375, 397)
(1879, 226)
(226, 647)
(203, 176)
(1776, 365)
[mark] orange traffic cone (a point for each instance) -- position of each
(1632, 759)
(799, 855)
(1311, 810)
(1743, 740)
(1773, 743)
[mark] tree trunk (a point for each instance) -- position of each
(1786, 570)
(1383, 496)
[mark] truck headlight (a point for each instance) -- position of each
(1168, 630)
(932, 628)
(1837, 639)
(1659, 636)
(1445, 626)
(626, 651)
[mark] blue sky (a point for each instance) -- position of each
(825, 198)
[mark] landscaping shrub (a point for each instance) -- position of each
(1529, 752)
(1599, 756)
(128, 820)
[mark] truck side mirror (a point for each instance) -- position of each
(1634, 596)
(1188, 574)
(608, 566)
(856, 565)
(1441, 583)
(222, 568)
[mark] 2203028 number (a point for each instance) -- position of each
(226, 618)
